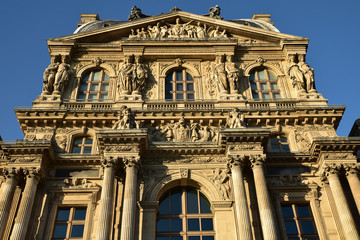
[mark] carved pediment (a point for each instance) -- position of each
(179, 26)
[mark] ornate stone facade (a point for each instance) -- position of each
(138, 118)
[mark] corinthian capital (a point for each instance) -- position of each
(33, 172)
(235, 161)
(109, 162)
(351, 168)
(331, 169)
(10, 172)
(257, 160)
(131, 162)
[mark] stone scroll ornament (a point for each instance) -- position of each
(178, 30)
(182, 131)
(300, 73)
(57, 76)
(132, 76)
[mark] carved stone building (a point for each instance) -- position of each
(179, 126)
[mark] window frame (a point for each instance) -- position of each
(268, 81)
(83, 144)
(279, 143)
(175, 82)
(185, 216)
(88, 92)
(70, 222)
(298, 219)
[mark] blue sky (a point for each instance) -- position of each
(331, 25)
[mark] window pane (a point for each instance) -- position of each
(285, 148)
(96, 76)
(105, 87)
(208, 238)
(103, 96)
(83, 87)
(194, 238)
(179, 76)
(266, 96)
(162, 225)
(60, 231)
(80, 214)
(204, 204)
(164, 206)
(252, 76)
(192, 204)
(176, 225)
(169, 77)
(193, 224)
(275, 148)
(77, 231)
(190, 96)
(287, 211)
(276, 95)
(106, 78)
(176, 238)
(175, 202)
(82, 96)
(190, 87)
(274, 86)
(179, 87)
(162, 238)
(307, 227)
(94, 87)
(264, 86)
(86, 77)
(88, 141)
(253, 85)
(93, 96)
(168, 87)
(290, 227)
(303, 211)
(188, 77)
(76, 150)
(78, 141)
(168, 96)
(262, 75)
(179, 96)
(255, 95)
(283, 139)
(87, 150)
(207, 224)
(271, 76)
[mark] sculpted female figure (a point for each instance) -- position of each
(220, 74)
(295, 74)
(49, 76)
(125, 76)
(308, 74)
(139, 76)
(232, 74)
(62, 76)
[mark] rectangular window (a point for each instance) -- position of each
(298, 220)
(69, 223)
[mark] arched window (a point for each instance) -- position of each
(82, 145)
(279, 144)
(184, 214)
(179, 85)
(263, 84)
(94, 86)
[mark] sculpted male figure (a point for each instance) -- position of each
(233, 74)
(139, 76)
(125, 76)
(235, 119)
(49, 76)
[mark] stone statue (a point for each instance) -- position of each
(62, 76)
(181, 131)
(295, 74)
(220, 179)
(126, 119)
(235, 119)
(214, 12)
(200, 31)
(154, 32)
(220, 75)
(49, 76)
(308, 73)
(233, 74)
(139, 76)
(135, 14)
(125, 76)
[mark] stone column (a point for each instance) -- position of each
(6, 197)
(129, 206)
(27, 199)
(343, 209)
(106, 201)
(244, 231)
(352, 175)
(266, 210)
